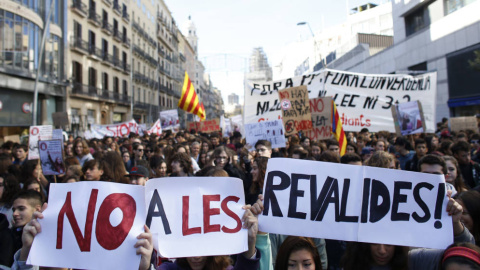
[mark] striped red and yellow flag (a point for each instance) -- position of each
(337, 130)
(189, 101)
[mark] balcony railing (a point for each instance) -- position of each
(108, 2)
(86, 90)
(116, 7)
(95, 52)
(126, 67)
(107, 27)
(182, 57)
(79, 44)
(107, 58)
(116, 34)
(79, 7)
(94, 18)
(126, 16)
(126, 41)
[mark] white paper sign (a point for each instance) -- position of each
(97, 228)
(355, 203)
(272, 131)
(57, 134)
(196, 216)
(170, 119)
(37, 133)
(364, 100)
(236, 124)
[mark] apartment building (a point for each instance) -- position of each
(98, 62)
(22, 25)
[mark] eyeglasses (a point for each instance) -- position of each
(221, 158)
(126, 156)
(474, 141)
(140, 150)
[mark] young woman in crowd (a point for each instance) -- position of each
(158, 166)
(223, 158)
(454, 175)
(93, 170)
(459, 256)
(114, 168)
(470, 202)
(259, 167)
(297, 253)
(31, 169)
(9, 186)
(127, 162)
(82, 152)
(138, 153)
(181, 165)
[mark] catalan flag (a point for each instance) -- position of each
(189, 101)
(337, 130)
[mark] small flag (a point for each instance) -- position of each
(337, 130)
(189, 101)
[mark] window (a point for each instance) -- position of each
(454, 5)
(91, 40)
(105, 82)
(125, 88)
(417, 21)
(92, 77)
(104, 48)
(115, 85)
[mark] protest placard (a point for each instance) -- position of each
(13, 138)
(156, 128)
(364, 100)
(355, 203)
(90, 225)
(237, 124)
(225, 126)
(295, 109)
(321, 109)
(114, 130)
(205, 126)
(57, 134)
(271, 131)
(36, 134)
(51, 157)
(196, 216)
(464, 123)
(408, 118)
(169, 120)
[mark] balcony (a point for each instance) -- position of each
(94, 18)
(80, 8)
(125, 16)
(182, 57)
(116, 7)
(126, 41)
(107, 28)
(120, 98)
(116, 35)
(95, 52)
(79, 45)
(168, 58)
(108, 2)
(159, 16)
(126, 68)
(163, 89)
(161, 52)
(84, 90)
(117, 64)
(138, 51)
(107, 59)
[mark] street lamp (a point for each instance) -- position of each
(314, 42)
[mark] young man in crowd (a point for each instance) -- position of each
(215, 139)
(138, 175)
(332, 145)
(420, 151)
(20, 153)
(25, 203)
(264, 148)
(470, 169)
(351, 158)
(402, 153)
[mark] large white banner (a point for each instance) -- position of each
(355, 203)
(363, 100)
(113, 130)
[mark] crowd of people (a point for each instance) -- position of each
(135, 160)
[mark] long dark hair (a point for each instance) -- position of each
(213, 263)
(296, 243)
(262, 169)
(471, 200)
(359, 257)
(459, 259)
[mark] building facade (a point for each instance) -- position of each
(441, 36)
(98, 63)
(22, 25)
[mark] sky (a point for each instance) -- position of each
(228, 30)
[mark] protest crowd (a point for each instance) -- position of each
(135, 159)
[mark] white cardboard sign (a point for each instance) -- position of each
(37, 133)
(272, 131)
(196, 216)
(355, 203)
(156, 129)
(90, 225)
(114, 130)
(115, 214)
